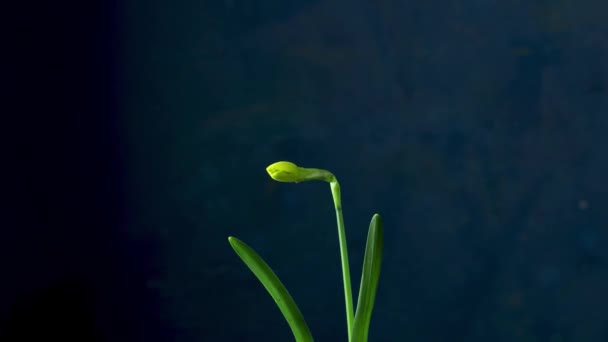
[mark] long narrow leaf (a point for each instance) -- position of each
(277, 290)
(369, 280)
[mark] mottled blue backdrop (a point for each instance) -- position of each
(477, 129)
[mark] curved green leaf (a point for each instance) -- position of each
(277, 290)
(369, 280)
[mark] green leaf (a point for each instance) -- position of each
(369, 280)
(277, 290)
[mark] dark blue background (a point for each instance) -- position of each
(137, 134)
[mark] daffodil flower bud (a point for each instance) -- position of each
(288, 172)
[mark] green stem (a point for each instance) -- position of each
(348, 297)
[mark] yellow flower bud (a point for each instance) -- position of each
(284, 171)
